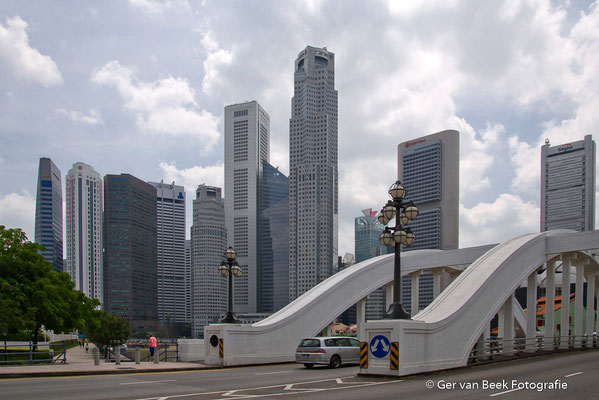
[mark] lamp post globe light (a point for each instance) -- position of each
(404, 212)
(230, 268)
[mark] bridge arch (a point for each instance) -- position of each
(444, 332)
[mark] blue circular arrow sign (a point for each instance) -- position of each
(379, 346)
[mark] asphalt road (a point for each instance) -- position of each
(564, 376)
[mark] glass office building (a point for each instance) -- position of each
(173, 302)
(313, 186)
(48, 213)
(273, 259)
(568, 185)
(428, 167)
(84, 230)
(130, 251)
(208, 244)
(247, 141)
(367, 231)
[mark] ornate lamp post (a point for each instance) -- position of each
(228, 269)
(404, 212)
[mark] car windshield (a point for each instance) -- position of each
(310, 343)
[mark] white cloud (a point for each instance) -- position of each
(23, 61)
(190, 178)
(526, 160)
(93, 118)
(364, 182)
(159, 6)
(476, 156)
(508, 216)
(165, 106)
(215, 58)
(17, 210)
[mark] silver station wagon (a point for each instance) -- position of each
(332, 351)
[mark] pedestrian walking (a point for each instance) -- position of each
(86, 347)
(152, 347)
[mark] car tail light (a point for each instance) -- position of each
(321, 351)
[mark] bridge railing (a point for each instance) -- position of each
(499, 348)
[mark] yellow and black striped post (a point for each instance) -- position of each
(394, 355)
(221, 352)
(363, 355)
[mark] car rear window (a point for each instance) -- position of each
(310, 343)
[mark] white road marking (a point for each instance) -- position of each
(507, 391)
(287, 390)
(145, 382)
(274, 373)
(574, 374)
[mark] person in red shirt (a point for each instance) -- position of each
(152, 347)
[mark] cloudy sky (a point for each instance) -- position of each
(139, 86)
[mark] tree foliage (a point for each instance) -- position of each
(33, 295)
(112, 330)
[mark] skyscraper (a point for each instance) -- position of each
(568, 185)
(173, 302)
(247, 130)
(48, 213)
(208, 244)
(273, 254)
(130, 251)
(313, 215)
(428, 167)
(84, 230)
(367, 231)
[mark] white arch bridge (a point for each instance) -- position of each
(445, 333)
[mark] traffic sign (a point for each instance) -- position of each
(379, 346)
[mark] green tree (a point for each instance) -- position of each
(34, 295)
(112, 330)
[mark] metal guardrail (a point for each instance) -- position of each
(32, 356)
(499, 348)
(165, 351)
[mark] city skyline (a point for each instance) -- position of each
(151, 105)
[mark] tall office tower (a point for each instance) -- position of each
(247, 138)
(367, 231)
(273, 255)
(84, 230)
(312, 171)
(208, 244)
(130, 251)
(429, 169)
(568, 185)
(170, 212)
(188, 278)
(48, 213)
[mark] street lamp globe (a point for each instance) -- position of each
(389, 211)
(400, 236)
(236, 270)
(387, 238)
(230, 254)
(403, 219)
(411, 212)
(382, 219)
(223, 268)
(410, 238)
(397, 191)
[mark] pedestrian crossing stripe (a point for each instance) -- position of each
(363, 355)
(394, 355)
(220, 348)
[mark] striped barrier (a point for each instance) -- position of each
(394, 355)
(221, 353)
(363, 355)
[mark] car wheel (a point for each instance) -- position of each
(309, 366)
(335, 361)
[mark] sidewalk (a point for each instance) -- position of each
(81, 363)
